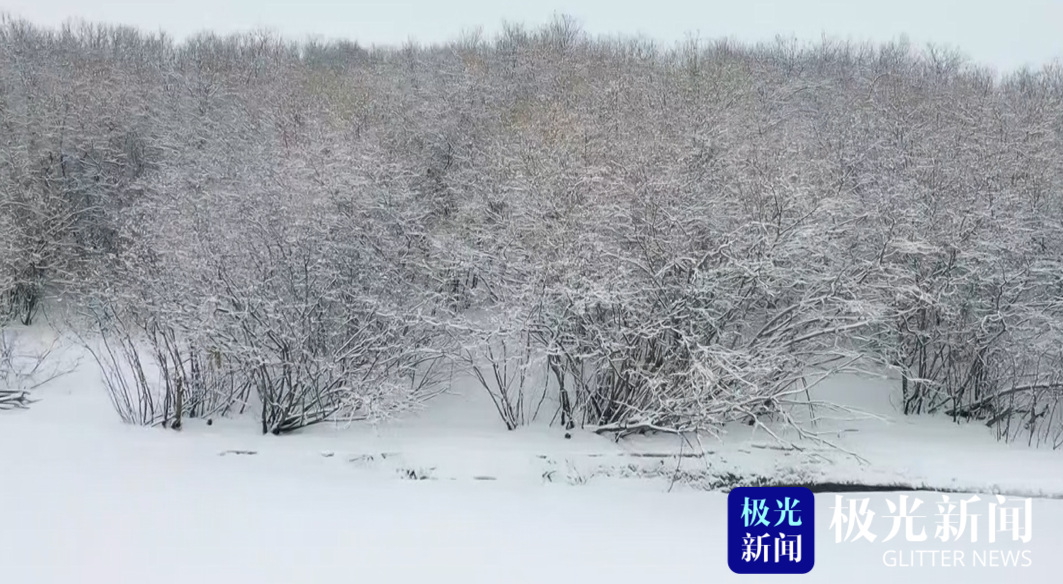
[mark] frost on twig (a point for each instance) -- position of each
(23, 370)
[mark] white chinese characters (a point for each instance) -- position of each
(955, 519)
(782, 548)
(779, 547)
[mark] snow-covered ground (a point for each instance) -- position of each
(86, 499)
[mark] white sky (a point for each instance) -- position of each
(1003, 34)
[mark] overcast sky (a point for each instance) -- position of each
(1001, 33)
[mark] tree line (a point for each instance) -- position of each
(666, 238)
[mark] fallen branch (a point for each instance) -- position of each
(11, 399)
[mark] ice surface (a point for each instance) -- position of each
(86, 499)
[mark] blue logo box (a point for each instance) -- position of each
(771, 530)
